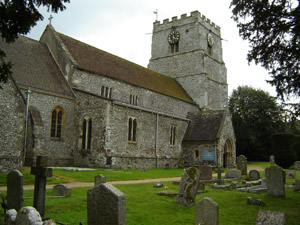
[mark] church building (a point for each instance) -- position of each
(81, 106)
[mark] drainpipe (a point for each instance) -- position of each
(26, 123)
(156, 140)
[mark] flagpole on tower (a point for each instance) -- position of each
(156, 12)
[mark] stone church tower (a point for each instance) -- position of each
(189, 49)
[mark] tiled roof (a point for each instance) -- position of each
(103, 63)
(34, 66)
(204, 126)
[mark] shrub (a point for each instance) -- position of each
(283, 149)
(296, 146)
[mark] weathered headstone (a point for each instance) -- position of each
(207, 212)
(291, 174)
(241, 164)
(201, 186)
(41, 173)
(106, 205)
(275, 181)
(297, 165)
(62, 190)
(264, 182)
(143, 169)
(188, 186)
(272, 159)
(254, 201)
(10, 217)
(15, 190)
(28, 216)
(233, 174)
(254, 174)
(205, 172)
(267, 217)
(297, 185)
(99, 179)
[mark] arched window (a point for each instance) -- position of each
(86, 132)
(173, 135)
(56, 122)
(132, 124)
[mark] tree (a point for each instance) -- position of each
(18, 17)
(272, 28)
(256, 116)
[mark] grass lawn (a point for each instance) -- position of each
(144, 207)
(64, 176)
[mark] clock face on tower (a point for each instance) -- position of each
(173, 37)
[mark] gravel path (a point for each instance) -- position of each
(157, 180)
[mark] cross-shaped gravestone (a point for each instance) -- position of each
(219, 171)
(41, 173)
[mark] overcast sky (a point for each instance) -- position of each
(123, 28)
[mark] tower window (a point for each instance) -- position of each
(174, 48)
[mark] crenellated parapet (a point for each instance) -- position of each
(194, 17)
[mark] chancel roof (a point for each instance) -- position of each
(204, 126)
(34, 66)
(103, 63)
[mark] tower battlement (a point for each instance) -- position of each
(194, 17)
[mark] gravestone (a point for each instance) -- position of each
(233, 174)
(188, 186)
(254, 201)
(219, 171)
(201, 186)
(106, 205)
(297, 185)
(10, 217)
(264, 182)
(297, 165)
(41, 173)
(241, 164)
(207, 212)
(275, 181)
(62, 190)
(14, 190)
(254, 174)
(272, 159)
(267, 217)
(291, 174)
(205, 172)
(28, 216)
(99, 179)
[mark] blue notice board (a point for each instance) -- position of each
(208, 155)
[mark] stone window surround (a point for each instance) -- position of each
(86, 132)
(57, 123)
(174, 48)
(105, 91)
(132, 129)
(133, 99)
(197, 153)
(172, 135)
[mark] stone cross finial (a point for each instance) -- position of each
(41, 173)
(50, 18)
